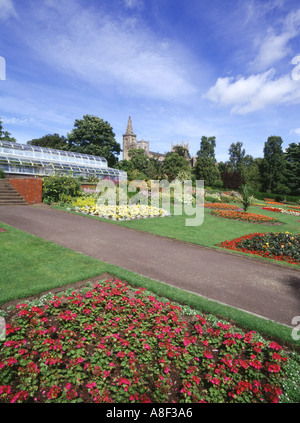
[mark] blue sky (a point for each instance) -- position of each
(181, 69)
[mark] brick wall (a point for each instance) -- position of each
(30, 189)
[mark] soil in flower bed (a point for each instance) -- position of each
(279, 246)
(112, 343)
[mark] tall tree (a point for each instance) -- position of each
(93, 135)
(139, 160)
(51, 141)
(182, 151)
(253, 174)
(5, 135)
(292, 171)
(207, 148)
(273, 165)
(206, 168)
(173, 164)
(237, 157)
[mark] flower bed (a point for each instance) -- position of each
(127, 212)
(110, 343)
(249, 217)
(274, 203)
(222, 206)
(294, 207)
(285, 211)
(277, 246)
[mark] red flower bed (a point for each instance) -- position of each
(114, 344)
(272, 209)
(249, 217)
(261, 247)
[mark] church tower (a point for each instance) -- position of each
(129, 140)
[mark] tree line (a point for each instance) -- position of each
(278, 171)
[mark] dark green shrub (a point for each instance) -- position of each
(2, 174)
(60, 188)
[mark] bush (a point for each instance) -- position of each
(246, 197)
(2, 174)
(60, 188)
(289, 198)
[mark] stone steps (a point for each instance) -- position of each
(9, 196)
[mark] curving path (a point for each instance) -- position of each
(268, 290)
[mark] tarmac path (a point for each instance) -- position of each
(268, 290)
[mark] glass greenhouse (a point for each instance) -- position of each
(28, 159)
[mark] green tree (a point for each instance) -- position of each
(51, 141)
(207, 148)
(139, 160)
(237, 157)
(182, 151)
(92, 135)
(273, 165)
(155, 169)
(207, 170)
(292, 171)
(206, 166)
(125, 165)
(5, 135)
(253, 174)
(173, 164)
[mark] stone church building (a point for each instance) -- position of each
(130, 141)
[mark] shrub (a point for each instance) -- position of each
(2, 174)
(246, 197)
(60, 188)
(211, 197)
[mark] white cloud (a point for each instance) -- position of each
(7, 9)
(132, 4)
(273, 46)
(245, 95)
(296, 131)
(110, 52)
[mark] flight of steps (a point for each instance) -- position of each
(9, 196)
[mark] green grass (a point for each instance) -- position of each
(30, 266)
(214, 230)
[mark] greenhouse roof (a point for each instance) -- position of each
(34, 160)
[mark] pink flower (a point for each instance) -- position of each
(275, 346)
(208, 354)
(273, 368)
(20, 396)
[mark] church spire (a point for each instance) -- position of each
(129, 129)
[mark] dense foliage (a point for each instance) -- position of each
(110, 343)
(60, 188)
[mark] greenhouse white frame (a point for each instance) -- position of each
(25, 159)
